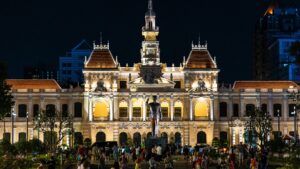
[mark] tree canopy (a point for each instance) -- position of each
(6, 99)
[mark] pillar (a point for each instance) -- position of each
(172, 107)
(144, 108)
(130, 108)
(111, 107)
(212, 108)
(285, 107)
(90, 109)
(191, 108)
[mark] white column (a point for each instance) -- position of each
(130, 108)
(242, 112)
(212, 108)
(270, 106)
(172, 107)
(230, 107)
(90, 109)
(285, 108)
(144, 108)
(191, 108)
(111, 106)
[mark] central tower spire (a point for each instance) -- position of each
(150, 54)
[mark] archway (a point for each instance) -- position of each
(149, 134)
(123, 138)
(100, 137)
(201, 137)
(177, 138)
(164, 135)
(137, 138)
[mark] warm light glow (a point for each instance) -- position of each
(178, 104)
(101, 110)
(123, 104)
(136, 102)
(195, 85)
(201, 109)
(269, 11)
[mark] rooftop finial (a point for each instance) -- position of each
(100, 38)
(150, 7)
(199, 40)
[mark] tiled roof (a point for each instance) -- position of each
(33, 84)
(264, 85)
(200, 59)
(101, 58)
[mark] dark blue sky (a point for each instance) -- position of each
(39, 32)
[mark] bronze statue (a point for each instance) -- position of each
(155, 115)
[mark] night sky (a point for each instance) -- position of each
(38, 32)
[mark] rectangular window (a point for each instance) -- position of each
(65, 110)
(292, 109)
(136, 112)
(123, 111)
(177, 85)
(177, 112)
(235, 110)
(123, 84)
(264, 108)
(276, 110)
(164, 111)
(36, 110)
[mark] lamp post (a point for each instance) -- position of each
(13, 114)
(27, 126)
(38, 128)
(278, 118)
(296, 97)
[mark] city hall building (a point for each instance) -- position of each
(112, 105)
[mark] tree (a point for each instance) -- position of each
(294, 50)
(49, 120)
(259, 125)
(6, 99)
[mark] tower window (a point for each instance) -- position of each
(123, 84)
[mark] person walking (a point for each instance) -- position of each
(138, 163)
(102, 162)
(152, 163)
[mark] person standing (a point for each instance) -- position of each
(152, 163)
(159, 152)
(102, 161)
(168, 162)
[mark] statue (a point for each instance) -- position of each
(155, 115)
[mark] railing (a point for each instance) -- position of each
(101, 119)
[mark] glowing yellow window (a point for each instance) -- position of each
(201, 109)
(101, 110)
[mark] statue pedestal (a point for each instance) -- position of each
(152, 141)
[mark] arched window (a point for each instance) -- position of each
(178, 110)
(223, 109)
(201, 109)
(177, 138)
(123, 109)
(101, 109)
(235, 110)
(22, 110)
(276, 110)
(77, 109)
(64, 110)
(78, 138)
(50, 110)
(22, 136)
(137, 139)
(123, 138)
(100, 137)
(164, 135)
(201, 137)
(149, 134)
(223, 137)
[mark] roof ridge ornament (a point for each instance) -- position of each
(101, 46)
(199, 46)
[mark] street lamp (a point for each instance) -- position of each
(296, 97)
(27, 126)
(13, 114)
(278, 118)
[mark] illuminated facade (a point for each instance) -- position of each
(112, 105)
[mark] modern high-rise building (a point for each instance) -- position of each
(275, 31)
(70, 66)
(112, 106)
